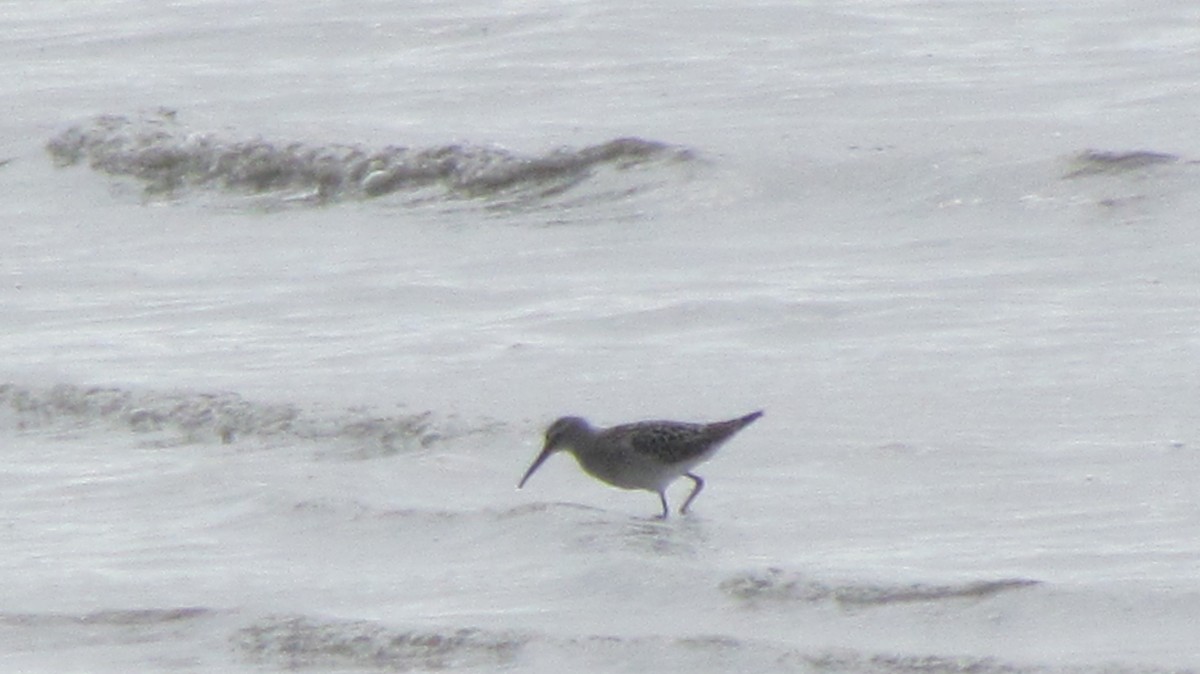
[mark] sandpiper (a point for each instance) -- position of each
(646, 455)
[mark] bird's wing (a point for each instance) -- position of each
(669, 442)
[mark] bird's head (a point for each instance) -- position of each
(562, 434)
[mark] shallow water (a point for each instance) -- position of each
(290, 295)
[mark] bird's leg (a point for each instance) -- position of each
(662, 495)
(699, 485)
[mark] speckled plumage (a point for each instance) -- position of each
(646, 455)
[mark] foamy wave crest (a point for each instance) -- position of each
(101, 633)
(170, 159)
(171, 418)
(1105, 162)
(776, 585)
(731, 654)
(307, 643)
(145, 617)
(302, 642)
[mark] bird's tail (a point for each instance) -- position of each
(728, 428)
(749, 418)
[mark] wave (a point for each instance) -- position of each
(1107, 162)
(108, 617)
(1128, 186)
(170, 159)
(186, 417)
(186, 635)
(305, 642)
(105, 635)
(775, 585)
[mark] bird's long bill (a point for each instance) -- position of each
(541, 458)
